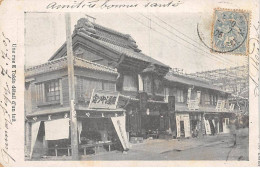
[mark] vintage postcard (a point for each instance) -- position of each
(129, 83)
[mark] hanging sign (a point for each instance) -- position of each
(103, 99)
(223, 105)
(193, 105)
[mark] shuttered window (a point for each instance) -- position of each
(147, 84)
(180, 97)
(130, 83)
(108, 86)
(40, 93)
(158, 87)
(207, 98)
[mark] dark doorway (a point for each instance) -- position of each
(182, 128)
(220, 126)
(212, 128)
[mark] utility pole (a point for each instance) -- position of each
(73, 116)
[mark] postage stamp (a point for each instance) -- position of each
(230, 31)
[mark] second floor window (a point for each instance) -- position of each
(207, 98)
(180, 97)
(48, 92)
(158, 87)
(52, 91)
(147, 84)
(130, 83)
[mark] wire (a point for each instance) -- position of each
(220, 59)
(171, 38)
(185, 35)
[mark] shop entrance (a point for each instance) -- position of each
(182, 129)
(212, 127)
(99, 133)
(220, 126)
(194, 128)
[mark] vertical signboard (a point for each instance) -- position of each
(186, 119)
(207, 126)
(119, 124)
(178, 126)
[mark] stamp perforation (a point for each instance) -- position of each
(248, 30)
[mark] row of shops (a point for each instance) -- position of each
(114, 127)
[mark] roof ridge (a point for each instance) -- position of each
(111, 30)
(188, 76)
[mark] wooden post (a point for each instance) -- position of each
(73, 117)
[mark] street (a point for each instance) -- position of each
(219, 147)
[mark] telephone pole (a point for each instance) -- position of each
(73, 116)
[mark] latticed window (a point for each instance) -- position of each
(52, 91)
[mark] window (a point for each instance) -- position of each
(180, 97)
(129, 83)
(158, 87)
(166, 94)
(52, 91)
(215, 100)
(48, 92)
(211, 99)
(147, 84)
(207, 98)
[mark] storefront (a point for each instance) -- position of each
(217, 122)
(100, 127)
(183, 125)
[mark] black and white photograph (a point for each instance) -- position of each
(136, 86)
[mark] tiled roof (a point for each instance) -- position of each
(182, 107)
(191, 81)
(61, 63)
(111, 39)
(128, 52)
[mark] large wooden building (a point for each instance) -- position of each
(115, 80)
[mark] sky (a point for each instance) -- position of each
(171, 38)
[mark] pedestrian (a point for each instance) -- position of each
(232, 128)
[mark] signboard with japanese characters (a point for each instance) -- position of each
(223, 105)
(193, 105)
(103, 99)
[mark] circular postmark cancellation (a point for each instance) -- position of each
(230, 31)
